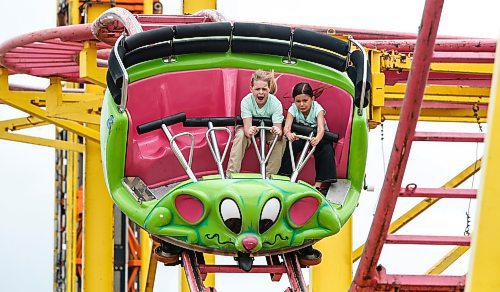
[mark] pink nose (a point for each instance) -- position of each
(249, 242)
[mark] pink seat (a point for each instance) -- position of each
(213, 93)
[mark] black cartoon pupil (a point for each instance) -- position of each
(234, 224)
(264, 225)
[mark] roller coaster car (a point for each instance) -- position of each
(166, 81)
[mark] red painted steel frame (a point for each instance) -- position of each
(418, 282)
(366, 278)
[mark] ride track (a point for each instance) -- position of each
(75, 54)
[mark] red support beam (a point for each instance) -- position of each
(448, 137)
(447, 45)
(428, 239)
(232, 269)
(440, 193)
(366, 274)
(419, 282)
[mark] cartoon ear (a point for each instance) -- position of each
(189, 207)
(302, 210)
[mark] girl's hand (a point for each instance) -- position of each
(275, 130)
(252, 131)
(314, 140)
(291, 136)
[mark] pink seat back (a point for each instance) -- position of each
(212, 93)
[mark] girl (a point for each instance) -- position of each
(305, 110)
(260, 102)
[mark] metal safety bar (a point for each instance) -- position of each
(261, 154)
(213, 145)
(178, 153)
(303, 157)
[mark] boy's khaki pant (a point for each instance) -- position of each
(240, 146)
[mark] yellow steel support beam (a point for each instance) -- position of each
(444, 93)
(42, 114)
(426, 203)
(146, 249)
(98, 243)
(485, 254)
(10, 98)
(335, 271)
(74, 11)
(71, 216)
(88, 65)
(378, 89)
(466, 68)
(151, 271)
(58, 144)
(21, 123)
(86, 110)
(193, 6)
(147, 7)
(448, 96)
(97, 224)
(210, 279)
(447, 260)
(394, 61)
(440, 115)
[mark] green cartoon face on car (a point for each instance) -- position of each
(248, 215)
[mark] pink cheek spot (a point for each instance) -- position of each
(189, 207)
(303, 209)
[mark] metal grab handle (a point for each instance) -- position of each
(263, 158)
(191, 147)
(178, 152)
(212, 142)
(303, 157)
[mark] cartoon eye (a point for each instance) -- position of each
(231, 215)
(269, 214)
(189, 207)
(303, 209)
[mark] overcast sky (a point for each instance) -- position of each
(27, 172)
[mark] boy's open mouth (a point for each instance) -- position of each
(260, 97)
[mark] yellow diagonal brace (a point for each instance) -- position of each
(447, 260)
(21, 123)
(485, 254)
(70, 146)
(42, 114)
(425, 204)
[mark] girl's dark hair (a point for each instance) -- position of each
(302, 88)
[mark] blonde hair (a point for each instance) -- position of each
(266, 76)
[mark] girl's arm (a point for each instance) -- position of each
(248, 129)
(320, 131)
(287, 131)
